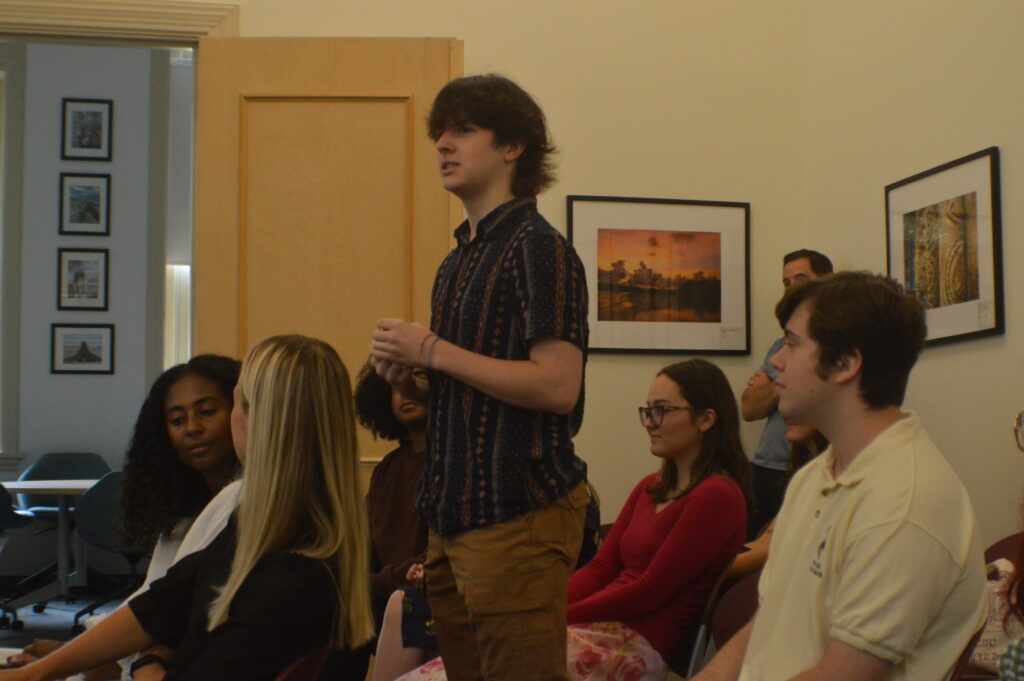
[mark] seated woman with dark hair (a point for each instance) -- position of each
(398, 535)
(180, 457)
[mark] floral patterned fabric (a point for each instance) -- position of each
(1011, 662)
(603, 651)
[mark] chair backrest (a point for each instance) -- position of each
(96, 515)
(698, 646)
(734, 609)
(9, 518)
(1004, 548)
(61, 466)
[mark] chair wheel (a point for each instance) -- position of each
(17, 625)
(77, 629)
(39, 608)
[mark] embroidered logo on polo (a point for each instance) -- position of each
(816, 563)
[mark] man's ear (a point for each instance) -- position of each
(514, 151)
(847, 368)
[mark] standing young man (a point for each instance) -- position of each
(759, 401)
(875, 570)
(503, 490)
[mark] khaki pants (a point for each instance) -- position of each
(498, 594)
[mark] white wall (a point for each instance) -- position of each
(805, 109)
(84, 412)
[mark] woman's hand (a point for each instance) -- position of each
(33, 651)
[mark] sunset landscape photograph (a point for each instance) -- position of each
(646, 275)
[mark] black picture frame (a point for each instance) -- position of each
(87, 127)
(944, 245)
(81, 348)
(84, 204)
(690, 295)
(83, 275)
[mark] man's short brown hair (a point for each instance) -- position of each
(866, 313)
(498, 104)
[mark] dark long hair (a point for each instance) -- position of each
(704, 386)
(159, 490)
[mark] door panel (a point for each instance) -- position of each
(318, 206)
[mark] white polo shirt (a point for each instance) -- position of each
(885, 558)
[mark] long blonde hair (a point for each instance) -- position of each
(301, 476)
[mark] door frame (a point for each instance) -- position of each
(160, 21)
(91, 21)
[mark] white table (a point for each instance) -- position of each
(63, 490)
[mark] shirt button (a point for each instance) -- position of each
(817, 513)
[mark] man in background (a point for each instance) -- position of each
(759, 401)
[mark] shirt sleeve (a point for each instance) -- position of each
(894, 580)
(284, 609)
(163, 609)
(712, 519)
(551, 289)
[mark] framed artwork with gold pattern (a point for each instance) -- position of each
(944, 244)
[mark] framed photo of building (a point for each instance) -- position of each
(84, 204)
(944, 242)
(82, 276)
(664, 275)
(86, 129)
(81, 348)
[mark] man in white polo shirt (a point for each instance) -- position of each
(875, 569)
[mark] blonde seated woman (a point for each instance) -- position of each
(288, 575)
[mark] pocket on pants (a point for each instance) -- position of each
(510, 592)
(518, 629)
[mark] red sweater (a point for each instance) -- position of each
(655, 570)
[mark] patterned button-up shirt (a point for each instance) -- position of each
(518, 280)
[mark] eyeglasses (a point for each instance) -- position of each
(657, 414)
(1018, 430)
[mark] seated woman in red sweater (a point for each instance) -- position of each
(679, 529)
(647, 585)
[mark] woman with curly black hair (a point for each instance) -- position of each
(180, 454)
(398, 535)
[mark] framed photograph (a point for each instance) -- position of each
(85, 204)
(665, 275)
(86, 129)
(81, 348)
(82, 278)
(944, 241)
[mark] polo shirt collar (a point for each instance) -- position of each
(492, 220)
(872, 458)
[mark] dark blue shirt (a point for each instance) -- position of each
(489, 461)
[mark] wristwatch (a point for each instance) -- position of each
(145, 661)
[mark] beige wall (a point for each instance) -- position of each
(804, 109)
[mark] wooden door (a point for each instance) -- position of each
(318, 204)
